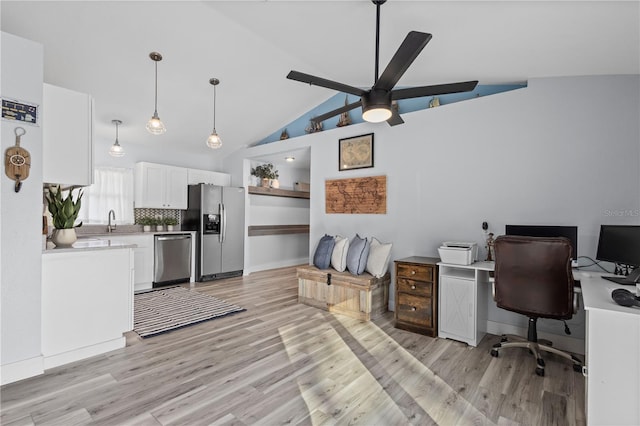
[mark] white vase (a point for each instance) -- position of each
(64, 237)
(274, 183)
(158, 227)
(169, 228)
(146, 228)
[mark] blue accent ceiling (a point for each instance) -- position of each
(297, 127)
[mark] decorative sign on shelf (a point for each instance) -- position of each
(365, 195)
(19, 111)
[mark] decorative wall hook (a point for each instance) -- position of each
(17, 160)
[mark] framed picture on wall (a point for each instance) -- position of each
(355, 152)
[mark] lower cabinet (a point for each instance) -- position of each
(464, 292)
(87, 303)
(142, 258)
(416, 296)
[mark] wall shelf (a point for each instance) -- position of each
(276, 192)
(257, 230)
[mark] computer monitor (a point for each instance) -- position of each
(620, 244)
(570, 232)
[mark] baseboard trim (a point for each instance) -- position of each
(82, 353)
(565, 343)
(21, 370)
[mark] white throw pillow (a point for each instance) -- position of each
(378, 261)
(339, 255)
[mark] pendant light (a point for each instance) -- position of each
(214, 141)
(116, 150)
(155, 125)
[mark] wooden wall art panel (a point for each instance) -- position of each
(356, 195)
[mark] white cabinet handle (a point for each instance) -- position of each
(413, 272)
(413, 308)
(413, 287)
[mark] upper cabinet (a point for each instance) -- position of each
(160, 187)
(205, 176)
(67, 137)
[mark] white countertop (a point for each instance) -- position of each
(83, 244)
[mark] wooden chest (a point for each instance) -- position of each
(416, 295)
(363, 297)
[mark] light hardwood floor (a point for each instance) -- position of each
(283, 362)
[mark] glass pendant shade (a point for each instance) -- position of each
(155, 126)
(214, 141)
(116, 150)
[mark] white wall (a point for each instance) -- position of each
(562, 151)
(21, 219)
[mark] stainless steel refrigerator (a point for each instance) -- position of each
(216, 213)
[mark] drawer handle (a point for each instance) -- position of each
(413, 308)
(413, 272)
(413, 287)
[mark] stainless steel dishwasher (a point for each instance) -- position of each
(172, 259)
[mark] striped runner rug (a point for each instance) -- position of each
(162, 310)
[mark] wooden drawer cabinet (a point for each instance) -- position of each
(416, 295)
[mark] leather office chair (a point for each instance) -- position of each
(533, 277)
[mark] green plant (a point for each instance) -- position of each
(265, 171)
(146, 221)
(64, 210)
(169, 221)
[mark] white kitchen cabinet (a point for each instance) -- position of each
(142, 258)
(87, 303)
(462, 308)
(196, 176)
(67, 136)
(160, 187)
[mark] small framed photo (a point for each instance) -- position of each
(355, 152)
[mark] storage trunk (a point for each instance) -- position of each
(363, 297)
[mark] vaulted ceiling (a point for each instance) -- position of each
(102, 48)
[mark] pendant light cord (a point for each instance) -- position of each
(156, 103)
(214, 108)
(116, 132)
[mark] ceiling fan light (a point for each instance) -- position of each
(155, 126)
(214, 141)
(376, 114)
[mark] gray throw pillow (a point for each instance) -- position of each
(322, 256)
(357, 255)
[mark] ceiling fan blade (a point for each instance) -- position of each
(323, 82)
(395, 118)
(336, 111)
(437, 89)
(408, 51)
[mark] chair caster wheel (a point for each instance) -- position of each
(577, 368)
(540, 371)
(503, 339)
(494, 353)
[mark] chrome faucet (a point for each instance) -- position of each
(111, 227)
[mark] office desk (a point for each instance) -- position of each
(612, 352)
(612, 338)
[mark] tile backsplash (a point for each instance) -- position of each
(155, 213)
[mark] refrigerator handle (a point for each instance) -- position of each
(223, 225)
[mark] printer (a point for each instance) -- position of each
(458, 253)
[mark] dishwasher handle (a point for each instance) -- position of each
(173, 237)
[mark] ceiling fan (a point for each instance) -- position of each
(376, 102)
